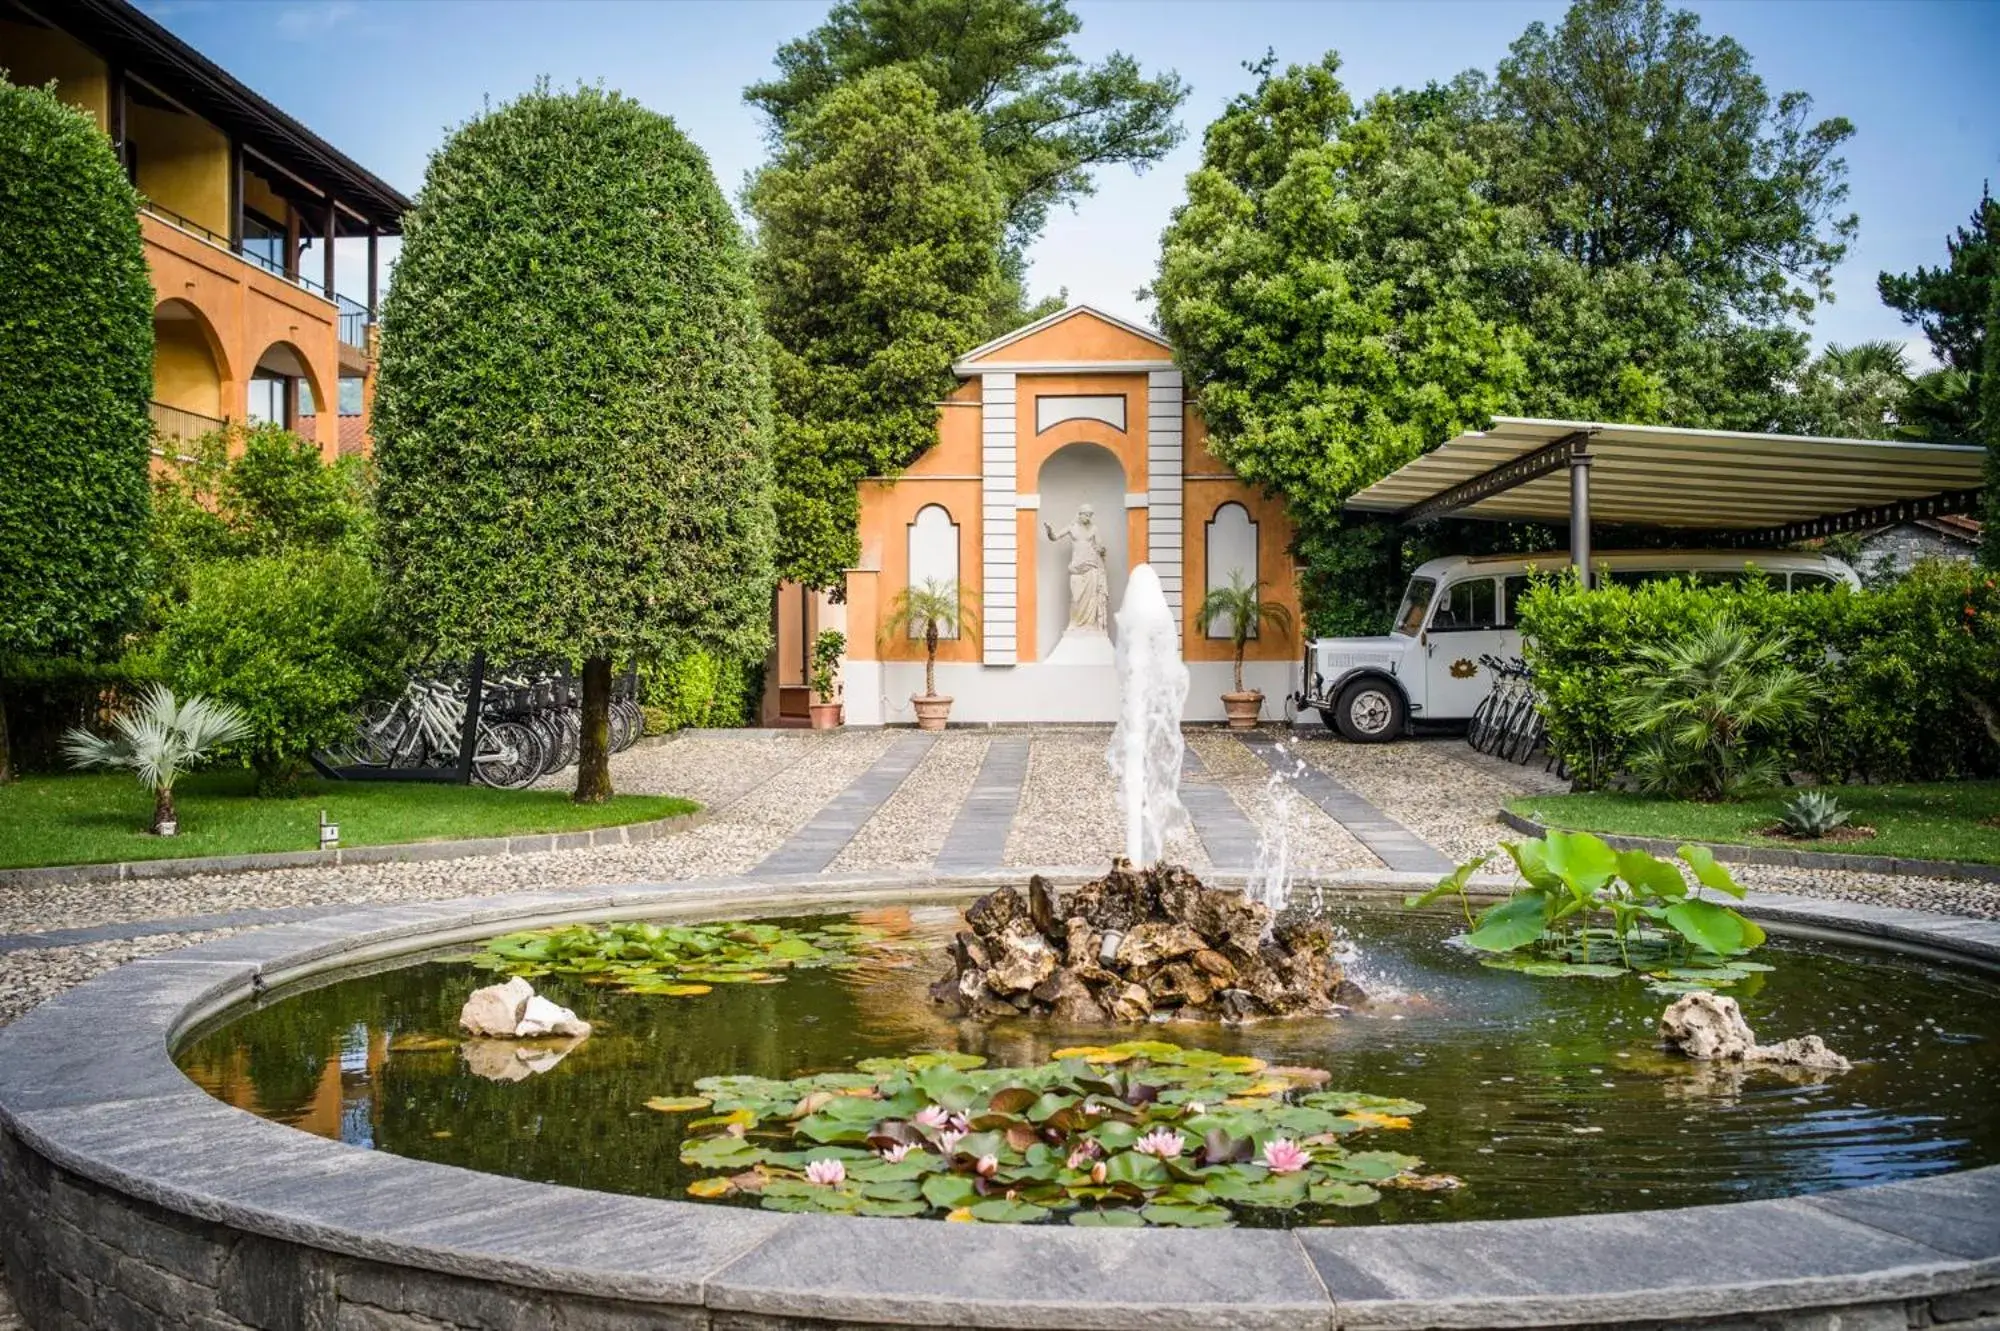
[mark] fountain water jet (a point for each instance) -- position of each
(1146, 746)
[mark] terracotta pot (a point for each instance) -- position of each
(828, 715)
(1242, 709)
(931, 711)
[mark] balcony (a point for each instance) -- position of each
(175, 427)
(353, 317)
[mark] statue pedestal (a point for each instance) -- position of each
(1081, 646)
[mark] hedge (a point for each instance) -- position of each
(1907, 672)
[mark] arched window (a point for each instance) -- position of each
(1231, 554)
(933, 551)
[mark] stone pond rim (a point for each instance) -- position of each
(138, 1199)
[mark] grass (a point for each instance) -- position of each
(101, 818)
(1957, 820)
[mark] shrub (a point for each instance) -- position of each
(294, 641)
(76, 371)
(828, 648)
(699, 690)
(1710, 711)
(159, 740)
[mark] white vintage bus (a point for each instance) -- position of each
(1455, 610)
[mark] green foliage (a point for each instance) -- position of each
(879, 231)
(1902, 671)
(1654, 922)
(293, 641)
(1710, 712)
(676, 960)
(1855, 392)
(1140, 1133)
(1622, 225)
(572, 419)
(1989, 549)
(699, 689)
(936, 609)
(1953, 304)
(1813, 814)
(1045, 119)
(159, 739)
(76, 371)
(828, 648)
(1242, 605)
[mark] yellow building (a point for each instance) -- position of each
(245, 209)
(1078, 409)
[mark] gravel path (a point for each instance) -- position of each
(1315, 842)
(909, 829)
(1422, 785)
(31, 977)
(1069, 806)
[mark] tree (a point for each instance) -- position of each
(572, 421)
(1950, 304)
(1856, 392)
(1990, 410)
(76, 371)
(937, 610)
(159, 740)
(879, 229)
(1046, 119)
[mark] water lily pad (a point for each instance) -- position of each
(710, 1187)
(998, 1210)
(1343, 1194)
(678, 1104)
(1186, 1217)
(1112, 1219)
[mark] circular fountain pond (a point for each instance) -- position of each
(1534, 1095)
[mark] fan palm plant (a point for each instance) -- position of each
(934, 610)
(159, 739)
(1244, 606)
(1712, 709)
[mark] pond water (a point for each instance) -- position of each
(1546, 1096)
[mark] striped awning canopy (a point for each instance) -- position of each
(1664, 476)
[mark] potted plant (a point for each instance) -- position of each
(1246, 610)
(934, 609)
(159, 739)
(826, 708)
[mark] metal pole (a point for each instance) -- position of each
(1579, 516)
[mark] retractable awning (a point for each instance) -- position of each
(1748, 489)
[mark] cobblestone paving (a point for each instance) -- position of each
(1317, 844)
(1069, 806)
(910, 827)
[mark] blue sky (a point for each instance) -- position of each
(385, 79)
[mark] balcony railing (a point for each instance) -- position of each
(353, 314)
(179, 425)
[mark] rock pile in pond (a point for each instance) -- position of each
(1708, 1026)
(1136, 945)
(514, 1011)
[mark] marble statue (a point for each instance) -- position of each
(1089, 584)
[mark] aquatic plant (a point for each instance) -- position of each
(1140, 1133)
(1655, 923)
(677, 960)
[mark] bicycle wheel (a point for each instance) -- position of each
(1482, 716)
(620, 727)
(1528, 737)
(508, 757)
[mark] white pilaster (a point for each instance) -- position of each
(1164, 469)
(1000, 558)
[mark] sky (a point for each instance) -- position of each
(385, 81)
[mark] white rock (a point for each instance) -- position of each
(496, 1009)
(1708, 1026)
(539, 1016)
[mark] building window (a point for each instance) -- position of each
(933, 553)
(1231, 545)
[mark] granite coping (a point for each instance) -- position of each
(1894, 866)
(87, 1082)
(395, 852)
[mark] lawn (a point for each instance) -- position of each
(95, 819)
(1942, 821)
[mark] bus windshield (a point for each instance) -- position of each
(1410, 618)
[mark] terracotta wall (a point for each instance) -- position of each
(1207, 485)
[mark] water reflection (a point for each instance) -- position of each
(1549, 1096)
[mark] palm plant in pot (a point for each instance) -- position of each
(159, 739)
(828, 648)
(932, 611)
(1242, 605)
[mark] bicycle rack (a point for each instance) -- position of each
(459, 774)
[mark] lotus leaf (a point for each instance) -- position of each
(675, 961)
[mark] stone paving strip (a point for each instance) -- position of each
(1390, 841)
(1069, 806)
(1315, 843)
(978, 835)
(1422, 785)
(909, 829)
(1229, 838)
(813, 845)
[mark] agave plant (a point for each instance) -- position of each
(1246, 611)
(934, 609)
(159, 739)
(1813, 814)
(1710, 709)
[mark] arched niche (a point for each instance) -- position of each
(1230, 551)
(1074, 475)
(933, 547)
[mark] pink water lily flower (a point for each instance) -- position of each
(949, 1140)
(894, 1154)
(826, 1173)
(1162, 1142)
(933, 1116)
(988, 1166)
(1284, 1156)
(1081, 1157)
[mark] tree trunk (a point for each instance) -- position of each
(164, 811)
(6, 755)
(593, 759)
(930, 660)
(1239, 667)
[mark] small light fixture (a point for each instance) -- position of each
(329, 833)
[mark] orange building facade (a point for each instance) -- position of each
(249, 221)
(1076, 409)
